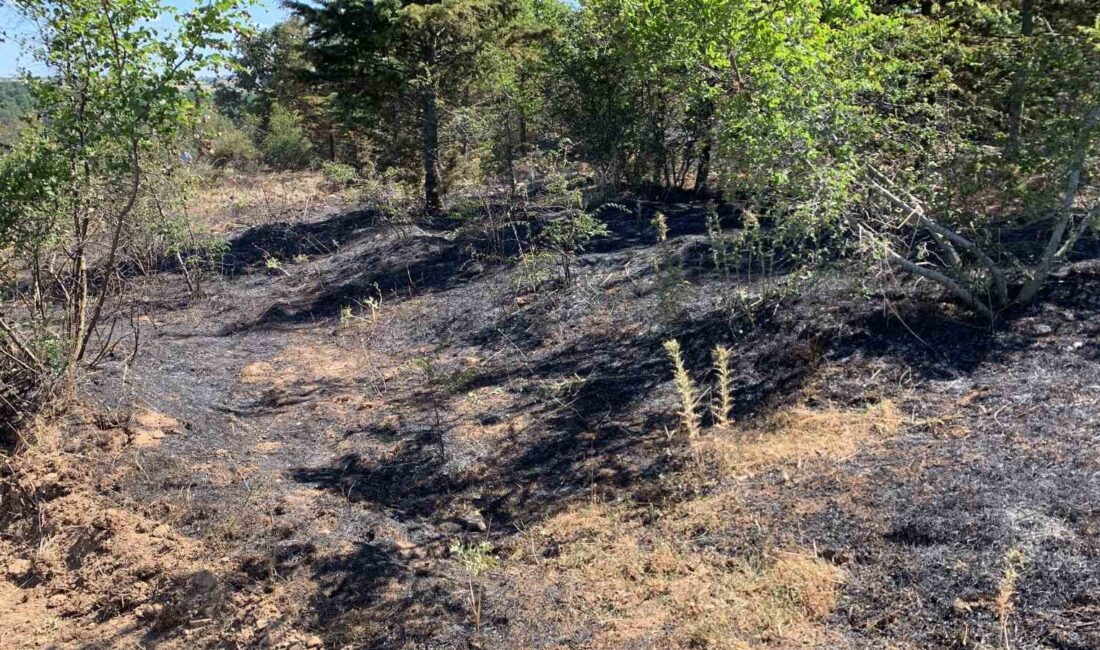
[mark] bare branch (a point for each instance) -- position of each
(946, 237)
(17, 340)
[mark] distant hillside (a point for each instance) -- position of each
(15, 102)
(15, 99)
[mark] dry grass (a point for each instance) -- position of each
(250, 198)
(148, 427)
(646, 584)
(800, 435)
(644, 578)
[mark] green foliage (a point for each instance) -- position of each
(391, 59)
(475, 558)
(570, 234)
(33, 177)
(15, 99)
(286, 144)
(339, 175)
(229, 145)
(16, 104)
(267, 68)
(114, 95)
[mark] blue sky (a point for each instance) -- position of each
(13, 59)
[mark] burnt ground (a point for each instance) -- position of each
(334, 426)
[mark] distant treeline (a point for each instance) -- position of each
(15, 99)
(15, 102)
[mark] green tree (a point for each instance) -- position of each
(114, 93)
(268, 68)
(286, 144)
(837, 116)
(394, 56)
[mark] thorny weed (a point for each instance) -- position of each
(668, 272)
(476, 559)
(722, 403)
(685, 388)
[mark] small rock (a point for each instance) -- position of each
(473, 521)
(314, 641)
(1043, 329)
(18, 568)
(56, 600)
(204, 581)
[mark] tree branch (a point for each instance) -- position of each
(1054, 248)
(17, 340)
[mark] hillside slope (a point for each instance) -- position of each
(312, 454)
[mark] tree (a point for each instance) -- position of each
(268, 68)
(999, 171)
(115, 91)
(836, 116)
(387, 56)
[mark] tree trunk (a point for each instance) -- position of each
(1019, 80)
(1057, 247)
(429, 131)
(703, 171)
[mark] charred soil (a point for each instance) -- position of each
(295, 458)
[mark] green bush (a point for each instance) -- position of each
(286, 145)
(230, 145)
(339, 175)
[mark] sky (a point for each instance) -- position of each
(13, 60)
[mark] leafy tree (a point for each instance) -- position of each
(400, 57)
(116, 91)
(268, 67)
(16, 105)
(834, 115)
(514, 76)
(286, 145)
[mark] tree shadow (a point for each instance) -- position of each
(402, 268)
(250, 251)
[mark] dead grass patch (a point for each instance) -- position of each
(639, 584)
(305, 364)
(250, 198)
(644, 578)
(148, 427)
(800, 435)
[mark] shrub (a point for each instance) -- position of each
(286, 145)
(230, 145)
(569, 235)
(339, 175)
